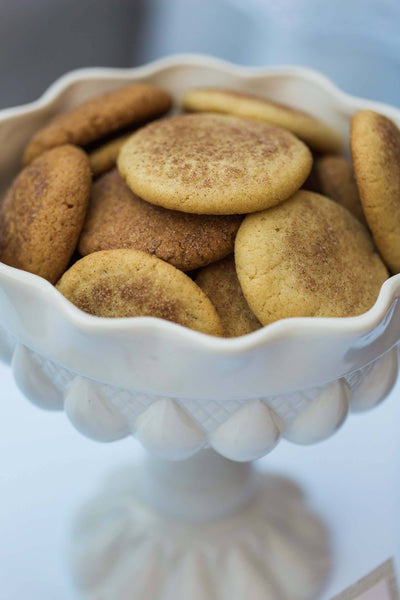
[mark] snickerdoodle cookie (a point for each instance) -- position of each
(219, 281)
(99, 117)
(129, 283)
(375, 148)
(117, 218)
(214, 164)
(335, 179)
(104, 158)
(42, 214)
(307, 257)
(319, 136)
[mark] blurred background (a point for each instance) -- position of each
(354, 42)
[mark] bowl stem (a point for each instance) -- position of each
(199, 489)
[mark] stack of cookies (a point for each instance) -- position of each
(225, 218)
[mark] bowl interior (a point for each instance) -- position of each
(287, 355)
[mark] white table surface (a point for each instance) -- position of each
(48, 470)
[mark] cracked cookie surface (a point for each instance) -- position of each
(117, 218)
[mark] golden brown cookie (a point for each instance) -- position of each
(129, 283)
(315, 133)
(117, 218)
(219, 281)
(375, 148)
(104, 158)
(99, 117)
(335, 178)
(42, 214)
(308, 257)
(213, 164)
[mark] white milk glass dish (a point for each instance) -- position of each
(195, 520)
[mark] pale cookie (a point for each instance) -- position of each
(42, 214)
(308, 257)
(100, 116)
(214, 164)
(319, 136)
(104, 158)
(219, 281)
(117, 218)
(335, 179)
(129, 283)
(375, 148)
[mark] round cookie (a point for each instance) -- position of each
(319, 136)
(375, 148)
(99, 117)
(308, 257)
(104, 158)
(117, 218)
(42, 214)
(219, 281)
(335, 178)
(128, 283)
(213, 164)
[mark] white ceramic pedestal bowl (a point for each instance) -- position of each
(220, 403)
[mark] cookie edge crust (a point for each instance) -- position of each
(73, 273)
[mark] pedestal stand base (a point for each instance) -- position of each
(272, 547)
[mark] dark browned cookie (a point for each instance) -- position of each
(311, 183)
(42, 214)
(99, 117)
(117, 218)
(129, 283)
(375, 147)
(336, 180)
(221, 284)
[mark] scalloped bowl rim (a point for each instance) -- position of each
(296, 326)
